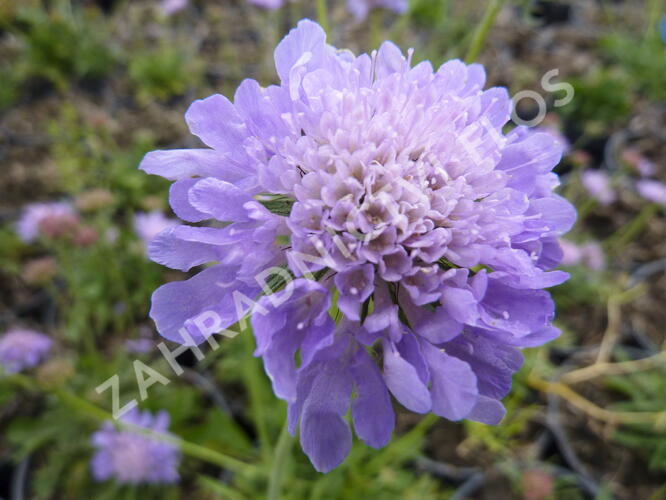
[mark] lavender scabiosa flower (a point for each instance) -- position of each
(267, 4)
(653, 191)
(23, 349)
(389, 191)
(360, 8)
(171, 7)
(150, 224)
(589, 254)
(598, 186)
(638, 162)
(46, 219)
(132, 458)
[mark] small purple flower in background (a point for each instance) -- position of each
(394, 188)
(653, 191)
(588, 254)
(662, 29)
(598, 186)
(593, 256)
(46, 219)
(360, 8)
(150, 224)
(23, 349)
(637, 161)
(170, 7)
(571, 253)
(144, 344)
(133, 458)
(267, 4)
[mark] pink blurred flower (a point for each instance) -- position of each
(360, 8)
(653, 191)
(537, 484)
(597, 183)
(150, 224)
(170, 7)
(589, 254)
(267, 4)
(46, 219)
(593, 256)
(637, 161)
(571, 253)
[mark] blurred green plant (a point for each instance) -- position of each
(600, 102)
(61, 44)
(641, 60)
(646, 392)
(89, 155)
(164, 72)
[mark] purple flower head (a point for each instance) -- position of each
(572, 254)
(653, 191)
(360, 8)
(589, 254)
(150, 224)
(412, 224)
(23, 349)
(637, 161)
(598, 186)
(46, 219)
(267, 4)
(170, 7)
(132, 458)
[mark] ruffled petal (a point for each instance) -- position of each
(217, 123)
(180, 202)
(325, 436)
(493, 362)
(372, 411)
(183, 247)
(177, 164)
(192, 303)
(454, 391)
(220, 199)
(403, 380)
(307, 39)
(487, 411)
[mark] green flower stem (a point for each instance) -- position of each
(376, 23)
(280, 460)
(93, 411)
(628, 232)
(654, 10)
(252, 375)
(586, 207)
(482, 30)
(322, 14)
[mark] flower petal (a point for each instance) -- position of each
(220, 199)
(372, 411)
(182, 304)
(454, 392)
(403, 381)
(325, 436)
(217, 123)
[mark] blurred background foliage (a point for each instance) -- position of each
(88, 87)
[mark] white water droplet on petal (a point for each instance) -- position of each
(300, 325)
